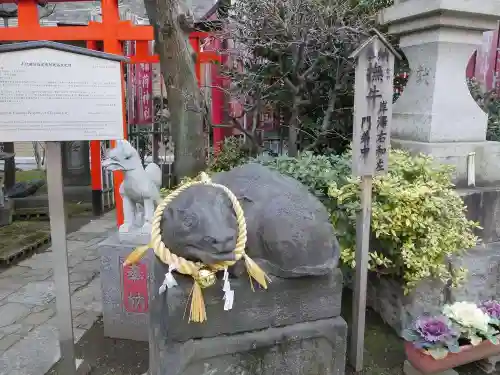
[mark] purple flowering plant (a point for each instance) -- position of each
(435, 334)
(492, 308)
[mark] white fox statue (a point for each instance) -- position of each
(140, 189)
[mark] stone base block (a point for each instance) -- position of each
(483, 206)
(386, 296)
(456, 153)
(286, 302)
(489, 365)
(483, 265)
(408, 369)
(313, 348)
(125, 293)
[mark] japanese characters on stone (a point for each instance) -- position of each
(373, 109)
(135, 288)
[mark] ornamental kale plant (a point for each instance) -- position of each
(462, 323)
(436, 335)
(492, 308)
(474, 324)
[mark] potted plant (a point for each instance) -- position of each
(492, 308)
(465, 333)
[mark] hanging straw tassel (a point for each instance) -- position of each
(198, 313)
(255, 272)
(136, 255)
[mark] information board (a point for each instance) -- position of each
(52, 95)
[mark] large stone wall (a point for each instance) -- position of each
(386, 296)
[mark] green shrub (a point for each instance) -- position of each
(490, 103)
(418, 221)
(231, 154)
(316, 172)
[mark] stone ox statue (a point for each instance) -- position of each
(289, 231)
(293, 325)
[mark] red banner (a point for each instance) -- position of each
(144, 90)
(139, 90)
(135, 287)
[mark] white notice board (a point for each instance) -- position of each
(53, 95)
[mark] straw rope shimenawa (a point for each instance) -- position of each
(203, 274)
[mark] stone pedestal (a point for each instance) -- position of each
(304, 349)
(125, 293)
(294, 326)
(436, 113)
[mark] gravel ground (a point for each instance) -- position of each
(110, 356)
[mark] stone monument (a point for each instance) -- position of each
(292, 327)
(125, 289)
(436, 114)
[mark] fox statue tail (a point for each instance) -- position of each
(154, 173)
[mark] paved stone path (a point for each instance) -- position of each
(28, 334)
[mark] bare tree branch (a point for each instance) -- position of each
(295, 59)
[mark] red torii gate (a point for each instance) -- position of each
(112, 31)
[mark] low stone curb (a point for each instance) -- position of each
(17, 254)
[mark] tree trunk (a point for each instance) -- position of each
(9, 166)
(183, 93)
(293, 130)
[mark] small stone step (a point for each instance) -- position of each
(408, 369)
(489, 365)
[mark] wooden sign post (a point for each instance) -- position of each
(54, 92)
(370, 152)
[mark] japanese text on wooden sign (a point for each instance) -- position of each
(372, 109)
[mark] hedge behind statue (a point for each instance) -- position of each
(418, 220)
